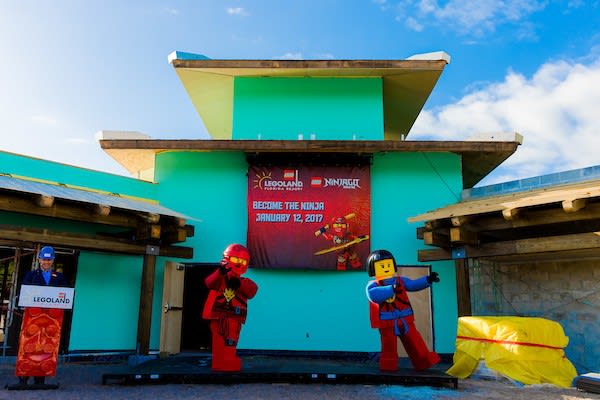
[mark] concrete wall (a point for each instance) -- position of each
(563, 291)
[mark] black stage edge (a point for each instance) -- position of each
(34, 386)
(289, 367)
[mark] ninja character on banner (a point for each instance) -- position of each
(227, 305)
(344, 242)
(392, 313)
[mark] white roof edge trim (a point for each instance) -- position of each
(436, 55)
(124, 135)
(496, 137)
(172, 56)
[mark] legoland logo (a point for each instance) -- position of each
(290, 182)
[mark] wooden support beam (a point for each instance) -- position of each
(190, 230)
(459, 236)
(44, 201)
(16, 204)
(145, 310)
(510, 213)
(175, 236)
(151, 218)
(87, 242)
(460, 220)
(436, 239)
(102, 210)
(155, 231)
(434, 255)
(573, 205)
(463, 288)
(536, 216)
(580, 241)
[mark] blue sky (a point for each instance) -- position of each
(72, 68)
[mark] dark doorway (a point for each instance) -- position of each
(195, 333)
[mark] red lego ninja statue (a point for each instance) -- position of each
(343, 240)
(392, 313)
(226, 306)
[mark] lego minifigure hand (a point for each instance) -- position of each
(223, 270)
(234, 283)
(433, 277)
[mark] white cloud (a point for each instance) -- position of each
(466, 17)
(237, 11)
(324, 56)
(556, 110)
(413, 24)
(290, 56)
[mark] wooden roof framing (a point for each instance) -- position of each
(559, 222)
(128, 230)
(479, 158)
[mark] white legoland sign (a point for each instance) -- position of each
(46, 297)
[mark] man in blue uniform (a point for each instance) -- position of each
(43, 275)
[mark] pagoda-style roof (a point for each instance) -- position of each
(406, 84)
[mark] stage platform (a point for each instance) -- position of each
(280, 368)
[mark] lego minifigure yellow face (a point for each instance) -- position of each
(384, 268)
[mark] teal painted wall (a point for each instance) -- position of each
(405, 185)
(315, 310)
(328, 108)
(107, 300)
(211, 188)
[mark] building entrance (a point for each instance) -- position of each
(195, 333)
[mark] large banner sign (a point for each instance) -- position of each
(315, 217)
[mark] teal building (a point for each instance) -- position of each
(188, 199)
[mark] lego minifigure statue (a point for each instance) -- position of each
(226, 306)
(392, 313)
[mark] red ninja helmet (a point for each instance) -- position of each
(339, 225)
(237, 257)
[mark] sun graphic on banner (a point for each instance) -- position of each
(260, 178)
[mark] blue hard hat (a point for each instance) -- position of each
(46, 253)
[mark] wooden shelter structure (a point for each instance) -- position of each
(113, 224)
(559, 222)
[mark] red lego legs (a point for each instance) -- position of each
(420, 356)
(225, 334)
(417, 350)
(388, 359)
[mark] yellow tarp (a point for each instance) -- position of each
(527, 350)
